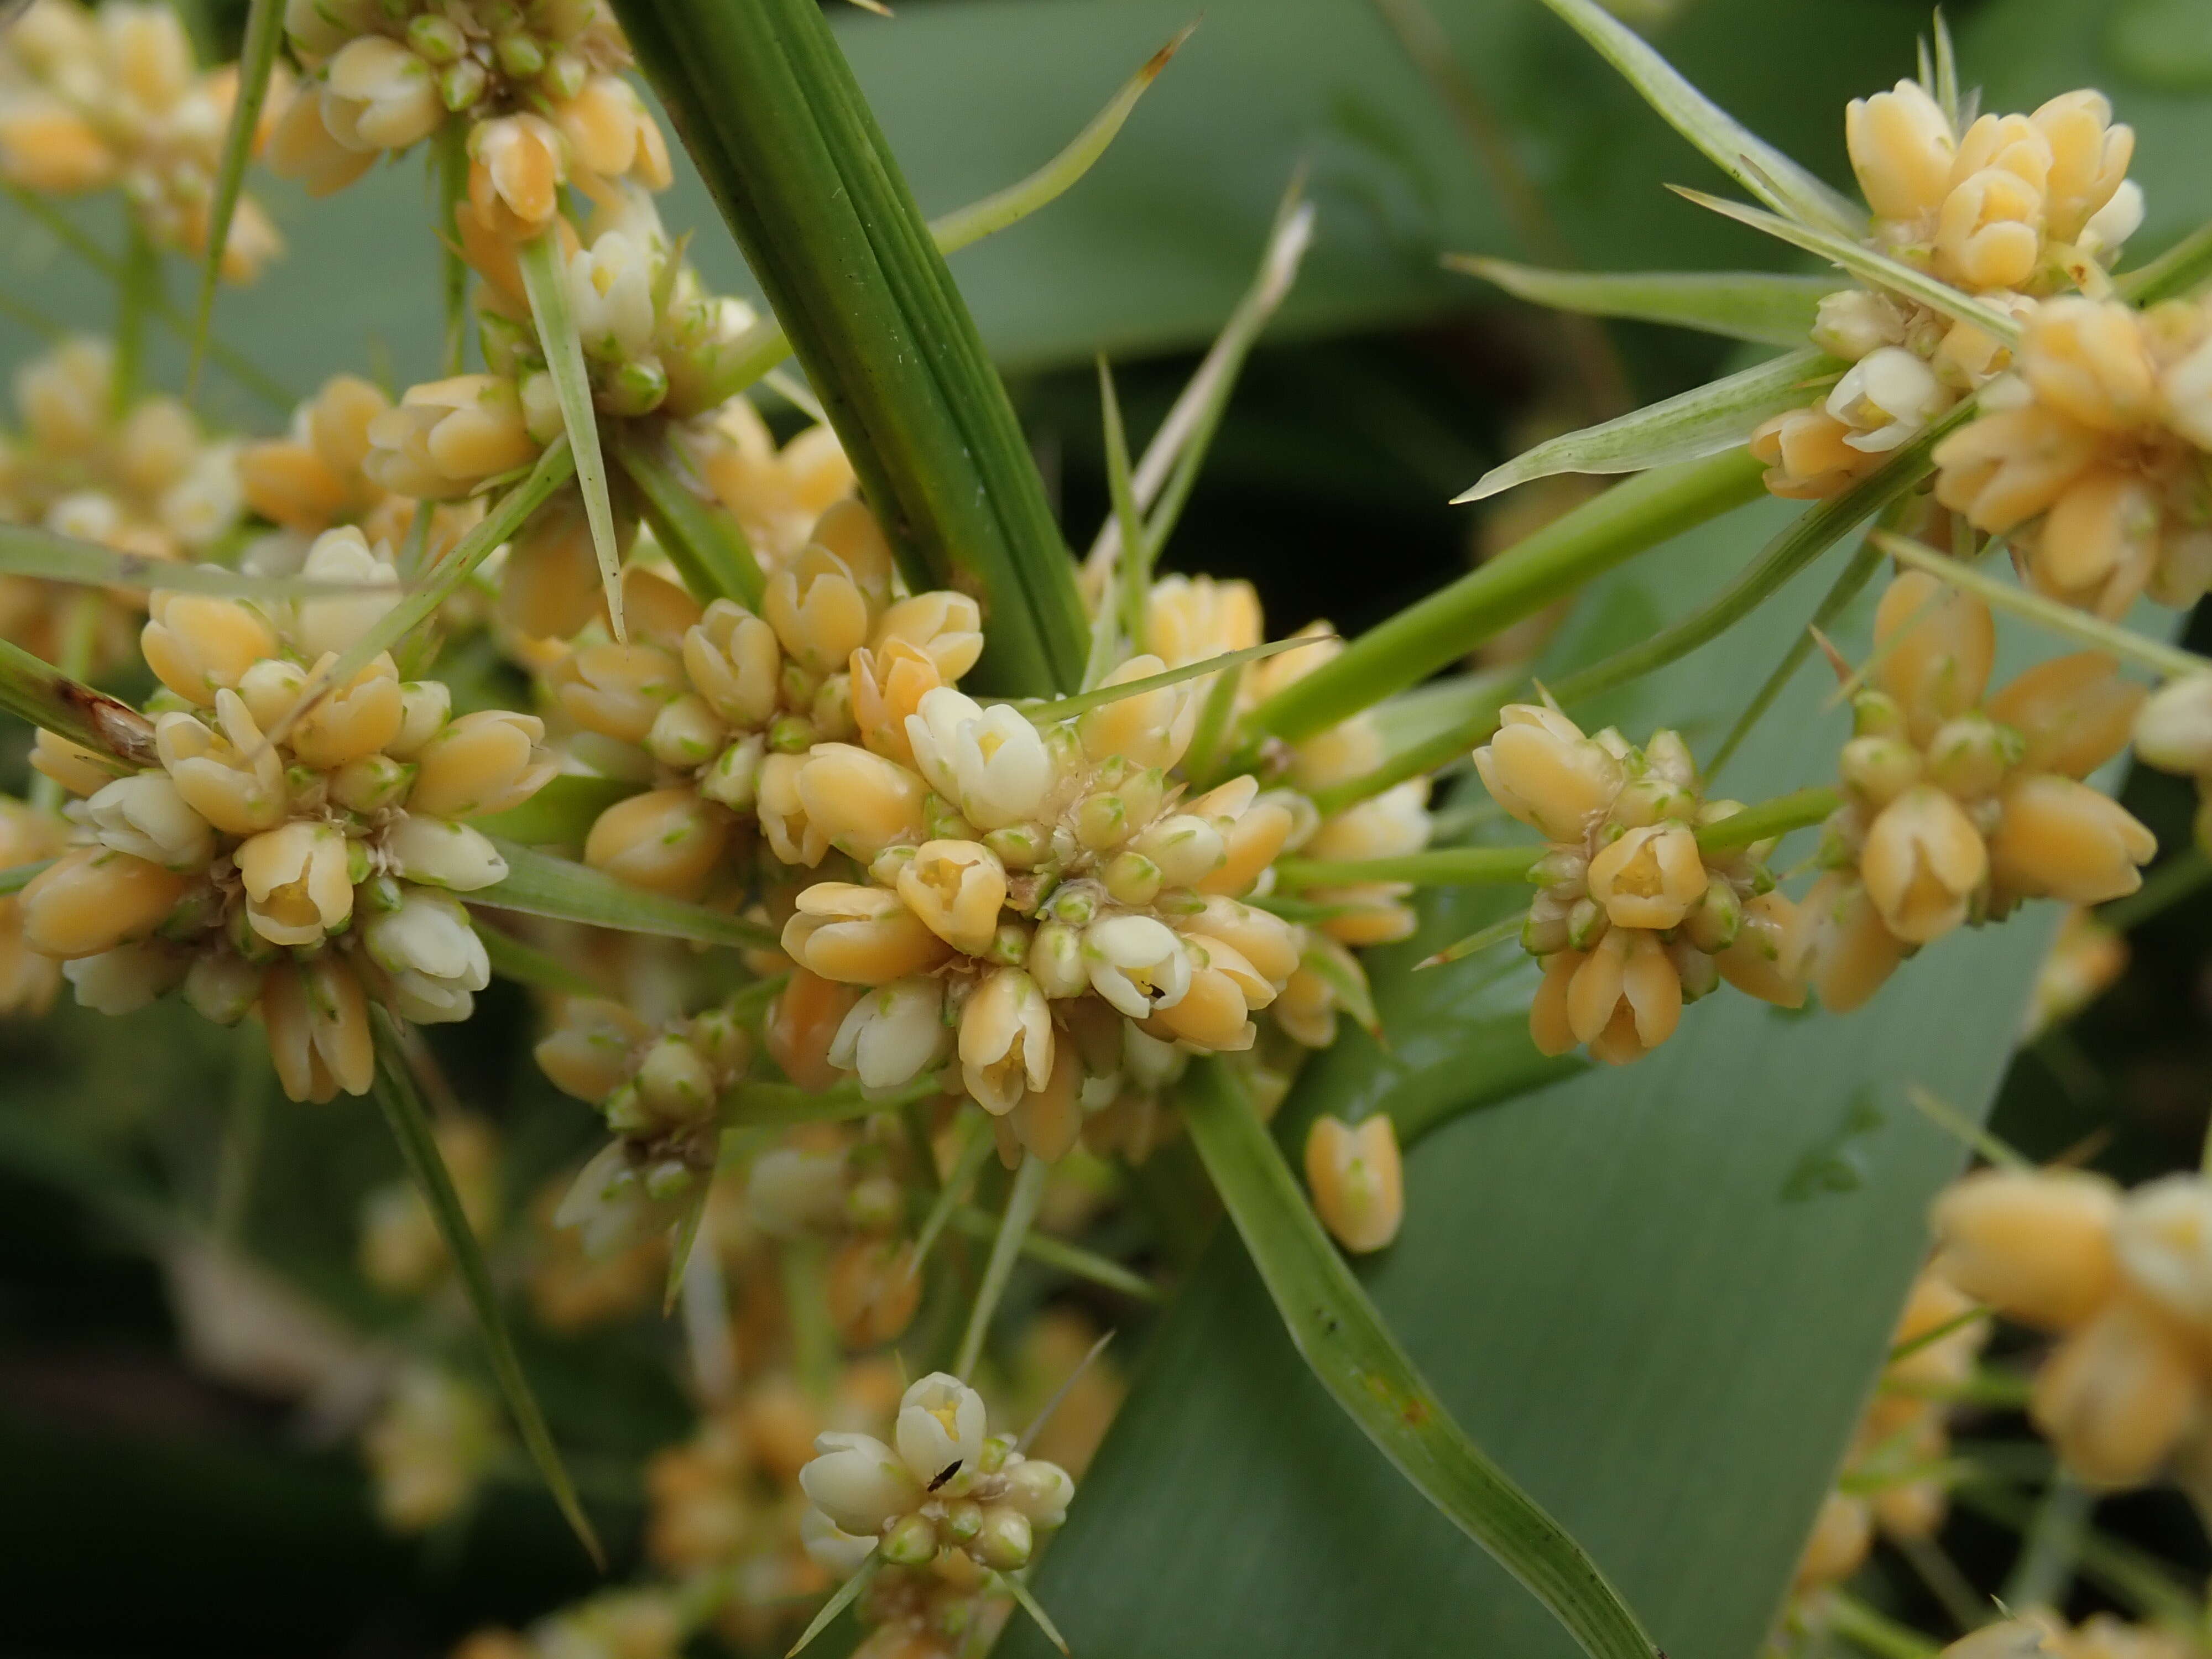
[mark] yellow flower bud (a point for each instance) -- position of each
(686, 734)
(2087, 360)
(1901, 149)
(1543, 771)
(198, 645)
(2008, 467)
(2058, 838)
(2118, 1395)
(317, 1017)
(1806, 456)
(872, 1290)
(1922, 862)
(782, 812)
(233, 778)
(1758, 960)
(1005, 1043)
(1211, 1010)
(448, 436)
(617, 690)
(2173, 731)
(957, 888)
(48, 146)
(2036, 1245)
(1046, 1121)
(2099, 546)
(2089, 157)
(1253, 830)
(1936, 647)
(1838, 943)
(80, 770)
(515, 172)
(2075, 711)
(302, 148)
(1649, 878)
(1188, 619)
(378, 96)
(862, 803)
(888, 685)
(600, 124)
(734, 662)
(1358, 1180)
(1151, 728)
(859, 935)
(945, 627)
(802, 1025)
(351, 720)
(665, 841)
(817, 611)
(487, 762)
(592, 1048)
(91, 900)
(296, 882)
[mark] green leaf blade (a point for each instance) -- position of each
(547, 284)
(257, 65)
(537, 886)
(1757, 306)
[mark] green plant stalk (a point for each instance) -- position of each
(256, 63)
(449, 160)
(2044, 1573)
(780, 1105)
(1804, 540)
(401, 1103)
(1132, 590)
(1602, 532)
(134, 297)
(1453, 743)
(1338, 1333)
(2177, 271)
(814, 1343)
(1443, 866)
(1066, 708)
(703, 540)
(231, 362)
(1070, 1259)
(769, 110)
(1023, 1198)
(1778, 817)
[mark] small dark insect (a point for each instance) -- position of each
(947, 1473)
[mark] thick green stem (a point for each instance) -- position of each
(1625, 521)
(1778, 817)
(770, 112)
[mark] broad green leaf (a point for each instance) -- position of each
(256, 63)
(1876, 270)
(1601, 1271)
(1742, 154)
(1763, 308)
(1623, 521)
(804, 178)
(409, 1123)
(1688, 427)
(1815, 530)
(701, 538)
(547, 282)
(47, 697)
(537, 886)
(1337, 1332)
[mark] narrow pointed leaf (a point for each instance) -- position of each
(1066, 708)
(1749, 160)
(966, 1165)
(47, 697)
(702, 539)
(769, 110)
(256, 63)
(1057, 1254)
(682, 1237)
(847, 1593)
(1505, 928)
(1125, 596)
(1338, 1333)
(1764, 307)
(1877, 270)
(1688, 427)
(548, 286)
(2064, 620)
(956, 230)
(1023, 1199)
(526, 965)
(1022, 1594)
(2181, 270)
(411, 1128)
(1568, 551)
(1811, 535)
(538, 885)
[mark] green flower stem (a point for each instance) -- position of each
(136, 297)
(2181, 269)
(537, 886)
(1778, 817)
(1340, 1335)
(805, 1294)
(1070, 1259)
(1023, 1199)
(256, 63)
(770, 112)
(1625, 521)
(1444, 866)
(1451, 744)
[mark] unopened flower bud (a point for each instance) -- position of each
(2058, 838)
(1357, 1179)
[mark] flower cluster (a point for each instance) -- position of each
(296, 846)
(1957, 808)
(1041, 904)
(537, 91)
(727, 712)
(2015, 208)
(660, 1089)
(112, 98)
(143, 479)
(2090, 459)
(1633, 916)
(2122, 1279)
(947, 1487)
